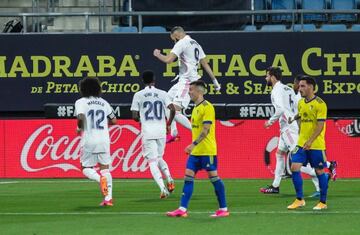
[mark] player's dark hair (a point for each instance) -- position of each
(148, 77)
(309, 80)
(177, 28)
(275, 71)
(199, 83)
(298, 77)
(90, 87)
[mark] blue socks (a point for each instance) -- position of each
(323, 183)
(219, 191)
(187, 191)
(298, 183)
(189, 188)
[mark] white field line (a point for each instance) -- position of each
(39, 181)
(163, 213)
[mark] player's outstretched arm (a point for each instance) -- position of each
(169, 58)
(209, 71)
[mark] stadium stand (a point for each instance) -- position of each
(333, 27)
(153, 29)
(283, 5)
(355, 27)
(343, 5)
(119, 23)
(304, 27)
(125, 29)
(314, 5)
(273, 27)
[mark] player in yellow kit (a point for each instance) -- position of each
(203, 151)
(311, 144)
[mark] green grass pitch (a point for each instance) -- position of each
(70, 206)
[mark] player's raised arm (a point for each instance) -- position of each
(209, 71)
(168, 59)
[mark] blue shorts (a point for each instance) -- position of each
(196, 163)
(316, 158)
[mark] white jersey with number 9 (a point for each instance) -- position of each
(189, 53)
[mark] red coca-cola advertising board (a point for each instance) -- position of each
(50, 149)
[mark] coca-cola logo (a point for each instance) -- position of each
(352, 129)
(61, 151)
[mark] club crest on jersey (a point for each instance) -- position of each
(295, 150)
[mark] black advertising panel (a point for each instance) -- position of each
(40, 69)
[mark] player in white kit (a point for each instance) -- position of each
(285, 102)
(189, 54)
(93, 113)
(148, 107)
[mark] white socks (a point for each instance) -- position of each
(91, 174)
(106, 173)
(183, 120)
(164, 169)
(310, 171)
(156, 174)
(279, 170)
(180, 118)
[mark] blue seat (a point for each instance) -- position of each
(355, 27)
(273, 27)
(343, 5)
(260, 5)
(250, 28)
(333, 27)
(153, 29)
(314, 5)
(282, 5)
(304, 27)
(124, 29)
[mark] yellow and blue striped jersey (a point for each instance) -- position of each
(203, 113)
(310, 113)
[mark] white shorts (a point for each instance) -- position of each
(89, 159)
(288, 140)
(153, 148)
(179, 94)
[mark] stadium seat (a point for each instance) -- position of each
(314, 5)
(343, 5)
(153, 29)
(260, 5)
(124, 29)
(282, 5)
(250, 28)
(304, 27)
(273, 27)
(355, 27)
(333, 27)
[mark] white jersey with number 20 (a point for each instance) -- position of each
(151, 104)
